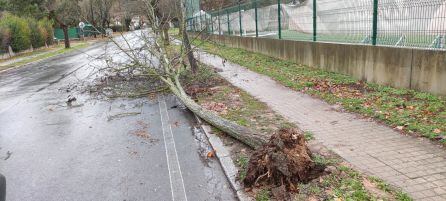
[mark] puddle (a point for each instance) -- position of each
(204, 148)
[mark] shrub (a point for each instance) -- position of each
(5, 39)
(37, 33)
(46, 27)
(18, 30)
(117, 28)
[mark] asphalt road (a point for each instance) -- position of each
(125, 149)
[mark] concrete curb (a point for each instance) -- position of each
(225, 160)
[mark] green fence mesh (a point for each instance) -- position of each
(399, 23)
(72, 33)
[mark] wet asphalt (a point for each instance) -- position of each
(122, 149)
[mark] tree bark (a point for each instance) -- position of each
(190, 54)
(186, 43)
(180, 29)
(241, 133)
(66, 37)
(166, 33)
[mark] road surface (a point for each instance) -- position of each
(125, 149)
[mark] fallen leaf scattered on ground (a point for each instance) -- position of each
(211, 154)
(220, 108)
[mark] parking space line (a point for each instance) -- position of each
(173, 165)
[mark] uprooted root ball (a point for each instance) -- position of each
(284, 161)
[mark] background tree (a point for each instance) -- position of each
(209, 5)
(102, 9)
(65, 13)
(24, 8)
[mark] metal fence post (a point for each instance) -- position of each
(256, 18)
(212, 25)
(229, 25)
(206, 23)
(279, 18)
(375, 22)
(314, 20)
(240, 18)
(219, 24)
(201, 22)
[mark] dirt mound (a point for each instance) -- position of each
(284, 161)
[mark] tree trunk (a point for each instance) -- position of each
(241, 133)
(180, 29)
(66, 37)
(186, 43)
(166, 34)
(190, 54)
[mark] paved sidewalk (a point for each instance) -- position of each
(415, 165)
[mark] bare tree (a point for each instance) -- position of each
(65, 13)
(164, 12)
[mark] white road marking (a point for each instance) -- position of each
(173, 165)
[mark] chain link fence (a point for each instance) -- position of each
(399, 23)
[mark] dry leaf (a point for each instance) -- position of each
(211, 154)
(437, 131)
(400, 128)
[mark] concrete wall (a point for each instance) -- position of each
(423, 70)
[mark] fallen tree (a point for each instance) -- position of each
(147, 53)
(283, 161)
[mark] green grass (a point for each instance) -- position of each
(320, 160)
(308, 135)
(409, 110)
(263, 195)
(399, 195)
(350, 187)
(347, 184)
(242, 163)
(44, 55)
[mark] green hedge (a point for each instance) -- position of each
(21, 33)
(37, 37)
(47, 28)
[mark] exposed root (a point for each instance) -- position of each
(284, 161)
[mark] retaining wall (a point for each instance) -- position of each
(423, 70)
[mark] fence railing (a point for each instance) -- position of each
(400, 23)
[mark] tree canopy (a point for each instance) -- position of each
(24, 8)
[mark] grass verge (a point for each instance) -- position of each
(405, 110)
(43, 54)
